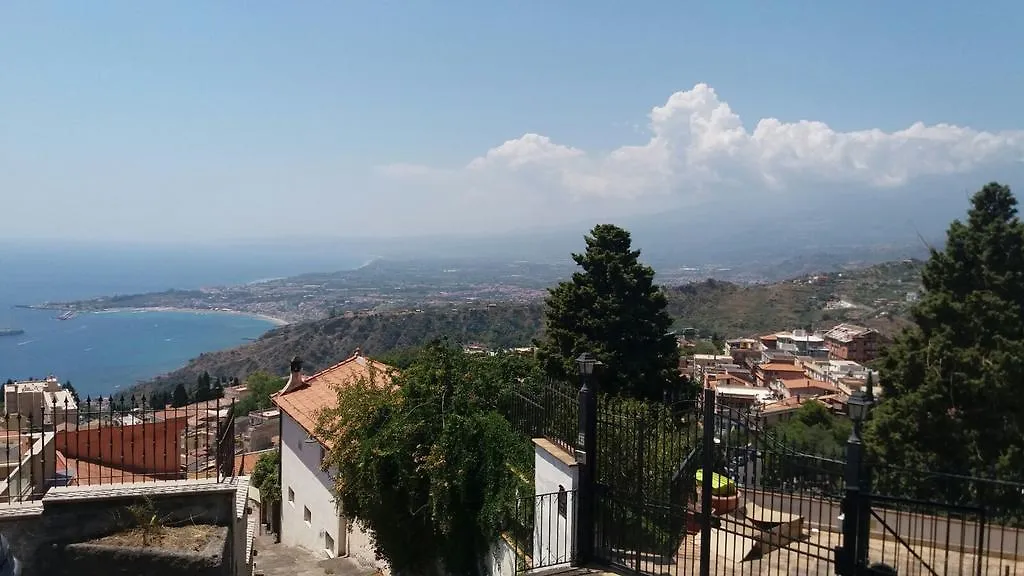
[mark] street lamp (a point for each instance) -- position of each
(585, 365)
(586, 457)
(857, 408)
(856, 507)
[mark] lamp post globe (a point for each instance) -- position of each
(585, 364)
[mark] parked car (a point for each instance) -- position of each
(9, 565)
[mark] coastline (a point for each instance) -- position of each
(277, 322)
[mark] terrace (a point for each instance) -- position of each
(70, 489)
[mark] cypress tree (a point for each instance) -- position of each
(612, 309)
(951, 382)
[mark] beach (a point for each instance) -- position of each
(271, 319)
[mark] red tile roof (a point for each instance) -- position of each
(780, 367)
(802, 385)
(304, 402)
(245, 463)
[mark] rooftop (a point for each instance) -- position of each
(305, 401)
(802, 385)
(780, 367)
(746, 391)
(847, 332)
(246, 462)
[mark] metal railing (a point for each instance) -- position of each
(548, 410)
(772, 507)
(540, 532)
(112, 441)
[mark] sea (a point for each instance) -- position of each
(103, 353)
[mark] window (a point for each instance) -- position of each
(291, 496)
(328, 543)
(307, 515)
(563, 501)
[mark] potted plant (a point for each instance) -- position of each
(725, 497)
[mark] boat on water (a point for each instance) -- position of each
(11, 331)
(67, 315)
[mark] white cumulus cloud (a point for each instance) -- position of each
(697, 144)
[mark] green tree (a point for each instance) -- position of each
(71, 390)
(613, 310)
(261, 386)
(159, 400)
(180, 396)
(424, 463)
(814, 429)
(951, 397)
(266, 476)
(203, 390)
(703, 347)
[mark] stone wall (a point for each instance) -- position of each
(41, 532)
(103, 560)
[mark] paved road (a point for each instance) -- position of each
(940, 532)
(280, 560)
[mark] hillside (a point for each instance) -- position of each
(875, 296)
(321, 342)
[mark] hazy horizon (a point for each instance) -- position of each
(167, 124)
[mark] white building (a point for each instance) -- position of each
(42, 401)
(310, 517)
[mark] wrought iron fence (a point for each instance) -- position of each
(110, 441)
(936, 523)
(707, 488)
(540, 533)
(548, 409)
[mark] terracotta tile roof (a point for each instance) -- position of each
(803, 384)
(194, 412)
(244, 463)
(317, 392)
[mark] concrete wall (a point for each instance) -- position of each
(554, 469)
(40, 531)
(304, 486)
(502, 560)
(261, 435)
(27, 478)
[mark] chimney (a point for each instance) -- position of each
(358, 352)
(295, 378)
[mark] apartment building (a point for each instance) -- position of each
(852, 342)
(40, 402)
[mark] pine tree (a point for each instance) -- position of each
(71, 390)
(952, 397)
(612, 309)
(203, 391)
(180, 397)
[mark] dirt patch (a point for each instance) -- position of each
(190, 538)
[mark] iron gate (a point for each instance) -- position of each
(707, 488)
(768, 507)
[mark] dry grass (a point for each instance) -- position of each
(191, 538)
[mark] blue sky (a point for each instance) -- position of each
(134, 122)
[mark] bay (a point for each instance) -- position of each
(102, 353)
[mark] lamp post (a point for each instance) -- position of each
(856, 507)
(586, 458)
